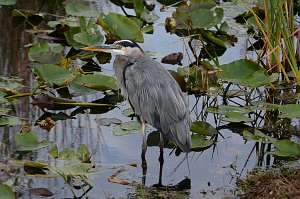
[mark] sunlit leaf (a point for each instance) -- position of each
(80, 8)
(289, 111)
(121, 26)
(83, 153)
(203, 128)
(286, 148)
(74, 170)
(199, 141)
(53, 74)
(97, 82)
(245, 72)
(128, 112)
(29, 142)
(235, 117)
(6, 192)
(9, 120)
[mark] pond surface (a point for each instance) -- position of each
(213, 172)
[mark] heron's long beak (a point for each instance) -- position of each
(107, 48)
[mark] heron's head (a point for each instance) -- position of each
(121, 47)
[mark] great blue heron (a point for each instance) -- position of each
(152, 92)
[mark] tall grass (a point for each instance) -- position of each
(277, 30)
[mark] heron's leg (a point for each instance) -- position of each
(161, 157)
(144, 149)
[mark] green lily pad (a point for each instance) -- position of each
(10, 121)
(54, 152)
(7, 3)
(80, 8)
(53, 74)
(235, 117)
(245, 72)
(46, 53)
(222, 109)
(289, 111)
(130, 126)
(74, 170)
(203, 128)
(88, 39)
(128, 112)
(286, 148)
(6, 192)
(121, 26)
(29, 142)
(3, 100)
(83, 153)
(257, 136)
(97, 82)
(199, 141)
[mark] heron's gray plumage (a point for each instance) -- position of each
(155, 96)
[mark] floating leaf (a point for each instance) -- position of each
(88, 39)
(6, 3)
(54, 152)
(199, 142)
(29, 142)
(130, 126)
(289, 111)
(9, 120)
(45, 53)
(80, 8)
(257, 136)
(121, 26)
(235, 117)
(222, 109)
(203, 128)
(53, 74)
(97, 82)
(6, 192)
(74, 170)
(128, 112)
(83, 153)
(108, 121)
(245, 72)
(118, 131)
(286, 148)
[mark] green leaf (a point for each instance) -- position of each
(128, 112)
(74, 170)
(138, 7)
(3, 100)
(130, 126)
(6, 192)
(149, 17)
(6, 3)
(80, 8)
(54, 152)
(10, 121)
(257, 136)
(53, 74)
(286, 148)
(289, 111)
(97, 82)
(203, 128)
(199, 141)
(83, 153)
(121, 26)
(222, 109)
(235, 117)
(202, 18)
(88, 39)
(245, 72)
(29, 142)
(117, 131)
(69, 34)
(46, 53)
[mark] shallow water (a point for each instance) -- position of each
(213, 172)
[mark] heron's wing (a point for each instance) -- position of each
(156, 97)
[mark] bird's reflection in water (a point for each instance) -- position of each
(154, 140)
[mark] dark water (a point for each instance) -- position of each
(213, 172)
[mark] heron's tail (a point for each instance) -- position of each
(180, 134)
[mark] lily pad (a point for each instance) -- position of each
(245, 72)
(97, 82)
(289, 111)
(222, 109)
(45, 53)
(80, 8)
(235, 117)
(29, 142)
(10, 121)
(257, 136)
(127, 128)
(128, 112)
(286, 148)
(203, 128)
(74, 170)
(199, 142)
(53, 74)
(83, 153)
(6, 192)
(121, 26)
(7, 3)
(108, 121)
